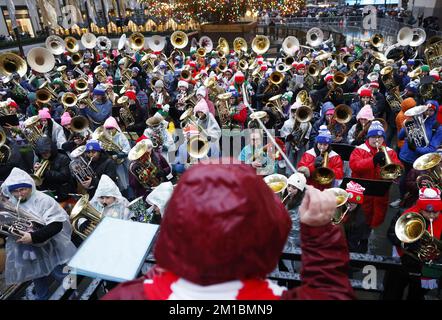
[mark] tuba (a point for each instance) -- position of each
(89, 40)
(275, 79)
(390, 171)
(324, 175)
(412, 227)
(55, 44)
(136, 41)
(106, 142)
(290, 46)
(206, 43)
(223, 108)
(79, 167)
(38, 175)
(179, 40)
(240, 46)
(260, 44)
(15, 220)
(81, 85)
(415, 128)
(71, 44)
(80, 126)
(197, 147)
(275, 104)
(343, 113)
(5, 151)
(341, 203)
(315, 37)
(31, 130)
(100, 74)
(103, 43)
(223, 47)
(377, 40)
(69, 100)
(429, 162)
(84, 98)
(156, 43)
(125, 115)
(144, 170)
(40, 60)
(83, 209)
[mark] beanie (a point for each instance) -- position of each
(355, 192)
(131, 94)
(288, 96)
(99, 90)
(183, 83)
(239, 77)
(365, 113)
(93, 145)
(425, 68)
(44, 113)
(365, 93)
(376, 129)
(324, 135)
(66, 119)
(429, 199)
(201, 91)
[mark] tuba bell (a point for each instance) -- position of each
(136, 41)
(343, 113)
(277, 182)
(430, 162)
(71, 44)
(290, 46)
(240, 46)
(275, 79)
(68, 100)
(419, 37)
(260, 44)
(38, 175)
(89, 40)
(223, 47)
(415, 127)
(81, 85)
(11, 63)
(276, 104)
(390, 171)
(179, 39)
(103, 43)
(156, 43)
(341, 204)
(324, 175)
(206, 43)
(77, 58)
(5, 151)
(55, 44)
(314, 37)
(197, 147)
(377, 40)
(83, 209)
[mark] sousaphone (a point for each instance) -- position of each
(179, 40)
(136, 41)
(314, 37)
(206, 43)
(290, 46)
(260, 44)
(71, 44)
(240, 45)
(89, 40)
(122, 42)
(419, 37)
(103, 43)
(156, 43)
(41, 60)
(55, 44)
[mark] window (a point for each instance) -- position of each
(24, 23)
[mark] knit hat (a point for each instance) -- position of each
(411, 88)
(410, 62)
(297, 180)
(201, 91)
(328, 78)
(355, 192)
(403, 68)
(365, 113)
(16, 186)
(435, 75)
(99, 90)
(111, 123)
(429, 199)
(288, 96)
(183, 83)
(93, 145)
(365, 93)
(201, 106)
(233, 91)
(57, 81)
(135, 69)
(239, 77)
(65, 119)
(131, 94)
(44, 113)
(159, 84)
(408, 104)
(154, 121)
(324, 135)
(374, 84)
(12, 103)
(425, 68)
(376, 129)
(300, 66)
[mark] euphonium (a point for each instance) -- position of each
(107, 143)
(100, 74)
(84, 98)
(68, 100)
(223, 108)
(179, 39)
(79, 167)
(429, 162)
(38, 175)
(77, 58)
(412, 227)
(389, 171)
(275, 79)
(341, 203)
(5, 151)
(14, 220)
(415, 127)
(324, 175)
(377, 40)
(125, 114)
(186, 75)
(136, 41)
(83, 209)
(103, 43)
(31, 131)
(141, 166)
(276, 104)
(260, 44)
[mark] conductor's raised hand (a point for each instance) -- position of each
(317, 207)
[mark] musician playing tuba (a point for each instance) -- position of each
(321, 156)
(101, 103)
(37, 255)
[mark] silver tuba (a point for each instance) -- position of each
(415, 127)
(315, 37)
(79, 167)
(103, 43)
(55, 44)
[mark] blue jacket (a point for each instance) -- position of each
(435, 139)
(104, 112)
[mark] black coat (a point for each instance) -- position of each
(15, 160)
(104, 165)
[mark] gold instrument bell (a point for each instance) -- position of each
(198, 147)
(179, 39)
(324, 175)
(277, 182)
(341, 201)
(260, 44)
(83, 209)
(430, 163)
(10, 63)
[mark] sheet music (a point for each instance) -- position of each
(115, 251)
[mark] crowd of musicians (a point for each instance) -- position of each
(110, 130)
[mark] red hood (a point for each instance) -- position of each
(222, 223)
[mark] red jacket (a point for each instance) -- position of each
(362, 166)
(334, 163)
(241, 114)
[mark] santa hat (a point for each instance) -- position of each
(229, 70)
(201, 106)
(376, 129)
(374, 84)
(66, 119)
(429, 199)
(328, 78)
(324, 135)
(260, 60)
(300, 66)
(365, 113)
(131, 94)
(264, 67)
(12, 103)
(111, 123)
(192, 64)
(435, 75)
(201, 91)
(183, 83)
(355, 192)
(365, 93)
(44, 113)
(239, 77)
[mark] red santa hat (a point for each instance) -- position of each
(260, 60)
(355, 192)
(239, 77)
(300, 66)
(192, 64)
(365, 93)
(374, 84)
(264, 67)
(429, 199)
(328, 78)
(131, 94)
(194, 213)
(12, 103)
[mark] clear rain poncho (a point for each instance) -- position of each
(28, 262)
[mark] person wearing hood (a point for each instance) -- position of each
(313, 159)
(366, 161)
(103, 105)
(57, 175)
(109, 200)
(100, 163)
(208, 123)
(40, 254)
(50, 128)
(202, 93)
(357, 133)
(195, 226)
(119, 139)
(158, 200)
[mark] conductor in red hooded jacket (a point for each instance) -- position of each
(210, 249)
(366, 162)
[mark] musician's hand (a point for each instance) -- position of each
(379, 159)
(25, 239)
(81, 106)
(256, 164)
(78, 141)
(317, 207)
(37, 165)
(318, 161)
(87, 183)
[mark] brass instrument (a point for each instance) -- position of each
(419, 37)
(147, 63)
(103, 43)
(84, 98)
(5, 151)
(79, 167)
(314, 69)
(201, 52)
(304, 113)
(223, 47)
(89, 40)
(387, 77)
(240, 46)
(276, 104)
(186, 75)
(77, 58)
(81, 85)
(156, 43)
(223, 108)
(275, 79)
(106, 141)
(80, 127)
(14, 220)
(141, 168)
(243, 65)
(55, 44)
(100, 74)
(277, 182)
(416, 73)
(260, 44)
(394, 99)
(429, 162)
(11, 63)
(40, 60)
(341, 204)
(38, 175)
(83, 209)
(31, 130)
(197, 147)
(69, 100)
(43, 96)
(377, 40)
(125, 114)
(188, 117)
(324, 175)
(433, 53)
(415, 127)
(71, 44)
(179, 40)
(315, 37)
(343, 113)
(389, 171)
(282, 67)
(290, 46)
(412, 227)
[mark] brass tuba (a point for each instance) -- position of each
(377, 40)
(68, 100)
(223, 108)
(240, 46)
(324, 175)
(260, 44)
(55, 44)
(277, 182)
(10, 63)
(429, 162)
(414, 126)
(38, 175)
(31, 130)
(275, 79)
(136, 41)
(343, 113)
(71, 44)
(197, 147)
(276, 104)
(79, 167)
(179, 40)
(84, 98)
(144, 170)
(83, 209)
(5, 151)
(412, 227)
(106, 142)
(125, 114)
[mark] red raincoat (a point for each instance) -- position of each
(362, 166)
(209, 237)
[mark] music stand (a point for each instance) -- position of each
(344, 150)
(376, 188)
(115, 250)
(11, 119)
